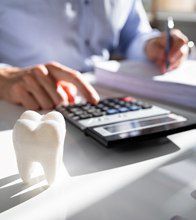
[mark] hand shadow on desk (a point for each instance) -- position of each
(8, 192)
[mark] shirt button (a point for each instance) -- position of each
(87, 42)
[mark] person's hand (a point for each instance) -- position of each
(155, 50)
(44, 86)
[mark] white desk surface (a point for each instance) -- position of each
(151, 182)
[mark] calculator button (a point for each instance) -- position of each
(100, 105)
(111, 105)
(85, 116)
(146, 106)
(122, 103)
(79, 113)
(105, 108)
(117, 106)
(128, 99)
(123, 109)
(112, 111)
(70, 115)
(128, 104)
(93, 110)
(98, 114)
(73, 110)
(76, 118)
(116, 100)
(134, 108)
(139, 103)
(104, 102)
(79, 105)
(87, 107)
(110, 100)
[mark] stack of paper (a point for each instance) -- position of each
(144, 79)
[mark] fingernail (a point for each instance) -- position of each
(96, 99)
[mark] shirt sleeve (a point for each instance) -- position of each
(4, 65)
(135, 33)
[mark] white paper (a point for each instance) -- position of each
(129, 68)
(185, 74)
(143, 79)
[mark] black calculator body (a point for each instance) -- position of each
(120, 121)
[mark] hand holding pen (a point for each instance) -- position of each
(168, 50)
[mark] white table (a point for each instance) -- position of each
(151, 182)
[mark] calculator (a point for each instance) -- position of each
(122, 120)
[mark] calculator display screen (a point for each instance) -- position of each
(137, 124)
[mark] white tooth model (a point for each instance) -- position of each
(38, 138)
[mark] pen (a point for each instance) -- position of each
(169, 27)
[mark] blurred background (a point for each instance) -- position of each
(183, 12)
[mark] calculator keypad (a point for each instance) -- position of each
(108, 111)
(105, 107)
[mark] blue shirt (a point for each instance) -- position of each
(76, 33)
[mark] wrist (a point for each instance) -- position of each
(3, 82)
(6, 75)
(149, 49)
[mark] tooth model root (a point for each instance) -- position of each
(40, 139)
(25, 169)
(50, 172)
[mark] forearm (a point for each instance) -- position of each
(137, 49)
